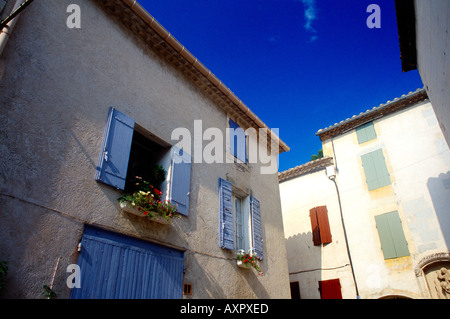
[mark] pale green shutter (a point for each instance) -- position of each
(375, 170)
(366, 132)
(392, 237)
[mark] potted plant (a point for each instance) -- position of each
(245, 260)
(146, 202)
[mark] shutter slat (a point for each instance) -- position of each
(181, 180)
(226, 228)
(115, 153)
(324, 225)
(386, 240)
(397, 234)
(257, 226)
(314, 226)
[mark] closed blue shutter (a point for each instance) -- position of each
(115, 153)
(115, 266)
(180, 183)
(238, 143)
(226, 231)
(256, 226)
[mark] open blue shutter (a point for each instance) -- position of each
(226, 231)
(115, 153)
(256, 226)
(180, 183)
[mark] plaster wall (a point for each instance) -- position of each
(309, 264)
(433, 48)
(418, 161)
(56, 85)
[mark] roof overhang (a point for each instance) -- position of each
(307, 168)
(406, 25)
(390, 107)
(134, 17)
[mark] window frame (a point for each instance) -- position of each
(116, 152)
(320, 225)
(366, 132)
(375, 169)
(391, 235)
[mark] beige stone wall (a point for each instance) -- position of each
(56, 86)
(418, 161)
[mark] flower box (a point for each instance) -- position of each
(241, 264)
(126, 207)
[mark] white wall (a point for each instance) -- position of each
(418, 160)
(309, 264)
(433, 49)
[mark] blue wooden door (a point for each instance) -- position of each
(116, 266)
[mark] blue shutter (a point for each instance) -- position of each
(256, 226)
(180, 183)
(238, 142)
(226, 231)
(115, 266)
(115, 153)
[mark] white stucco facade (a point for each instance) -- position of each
(418, 161)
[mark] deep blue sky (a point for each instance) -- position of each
(300, 65)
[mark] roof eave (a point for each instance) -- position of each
(213, 83)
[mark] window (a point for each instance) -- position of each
(392, 237)
(128, 150)
(366, 132)
(239, 220)
(295, 290)
(320, 226)
(375, 169)
(238, 142)
(330, 289)
(241, 213)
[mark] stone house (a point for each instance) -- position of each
(370, 219)
(85, 110)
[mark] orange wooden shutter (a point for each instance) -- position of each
(314, 226)
(324, 225)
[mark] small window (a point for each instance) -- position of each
(375, 169)
(295, 290)
(392, 237)
(366, 132)
(238, 142)
(187, 289)
(320, 225)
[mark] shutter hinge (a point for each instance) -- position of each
(79, 247)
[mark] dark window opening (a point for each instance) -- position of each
(143, 163)
(187, 289)
(295, 290)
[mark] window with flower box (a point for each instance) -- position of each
(240, 220)
(129, 151)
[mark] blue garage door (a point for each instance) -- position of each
(117, 266)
